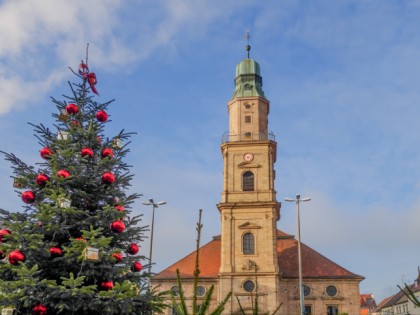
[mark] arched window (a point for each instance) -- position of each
(248, 244)
(248, 181)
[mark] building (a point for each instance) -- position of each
(367, 304)
(399, 303)
(251, 256)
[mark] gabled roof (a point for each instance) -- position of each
(314, 265)
(398, 297)
(391, 300)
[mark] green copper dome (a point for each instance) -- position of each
(248, 81)
(248, 66)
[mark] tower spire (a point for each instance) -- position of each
(248, 46)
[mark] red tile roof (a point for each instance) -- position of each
(314, 265)
(209, 263)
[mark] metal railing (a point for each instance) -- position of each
(248, 136)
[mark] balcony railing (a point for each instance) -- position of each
(248, 136)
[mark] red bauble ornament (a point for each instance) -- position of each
(133, 249)
(118, 257)
(16, 256)
(75, 123)
(63, 174)
(81, 239)
(72, 109)
(108, 178)
(39, 310)
(117, 226)
(2, 233)
(119, 208)
(46, 153)
(102, 116)
(41, 179)
(107, 285)
(137, 266)
(28, 196)
(55, 251)
(86, 152)
(107, 152)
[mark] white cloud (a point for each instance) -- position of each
(46, 35)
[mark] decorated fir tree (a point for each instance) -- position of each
(75, 247)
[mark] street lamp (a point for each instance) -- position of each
(298, 200)
(154, 206)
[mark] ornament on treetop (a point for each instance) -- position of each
(15, 257)
(63, 115)
(19, 182)
(75, 123)
(119, 208)
(92, 253)
(81, 239)
(56, 251)
(46, 153)
(41, 179)
(86, 152)
(90, 77)
(2, 233)
(28, 196)
(63, 174)
(118, 257)
(118, 226)
(72, 109)
(107, 285)
(137, 267)
(133, 249)
(107, 152)
(102, 116)
(39, 310)
(108, 178)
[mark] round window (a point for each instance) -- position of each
(175, 290)
(331, 290)
(200, 291)
(249, 286)
(247, 106)
(306, 290)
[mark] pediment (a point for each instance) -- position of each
(249, 225)
(248, 165)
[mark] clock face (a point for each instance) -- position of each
(248, 157)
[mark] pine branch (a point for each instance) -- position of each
(19, 167)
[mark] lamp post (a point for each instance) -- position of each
(154, 206)
(298, 200)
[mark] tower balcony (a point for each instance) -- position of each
(248, 136)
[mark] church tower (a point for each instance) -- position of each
(249, 209)
(252, 258)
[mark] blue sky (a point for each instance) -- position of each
(343, 78)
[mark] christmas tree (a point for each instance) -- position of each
(75, 248)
